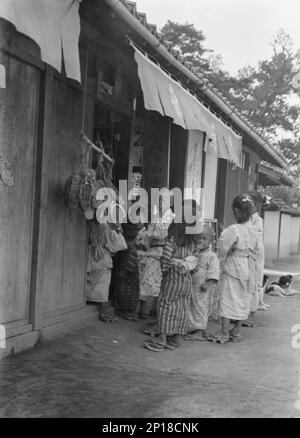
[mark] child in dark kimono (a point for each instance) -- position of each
(126, 276)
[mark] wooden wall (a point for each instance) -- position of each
(179, 141)
(232, 181)
(64, 235)
(155, 143)
(18, 142)
(42, 246)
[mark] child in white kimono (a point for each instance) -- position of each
(150, 274)
(204, 282)
(104, 241)
(257, 302)
(239, 250)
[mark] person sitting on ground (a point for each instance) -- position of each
(204, 282)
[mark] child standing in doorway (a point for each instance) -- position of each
(104, 242)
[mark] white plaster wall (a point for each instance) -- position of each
(285, 235)
(210, 183)
(294, 235)
(271, 230)
(193, 165)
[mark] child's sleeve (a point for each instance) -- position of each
(260, 260)
(167, 256)
(227, 239)
(213, 271)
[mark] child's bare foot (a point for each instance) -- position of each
(219, 337)
(199, 335)
(261, 307)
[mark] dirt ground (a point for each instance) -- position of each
(103, 371)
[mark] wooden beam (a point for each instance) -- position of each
(41, 194)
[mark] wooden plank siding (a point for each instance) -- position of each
(42, 246)
(233, 181)
(18, 132)
(65, 234)
(179, 141)
(155, 142)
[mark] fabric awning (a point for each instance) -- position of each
(171, 99)
(53, 24)
(272, 177)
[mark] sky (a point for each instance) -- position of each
(239, 30)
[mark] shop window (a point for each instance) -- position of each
(246, 162)
(106, 78)
(112, 132)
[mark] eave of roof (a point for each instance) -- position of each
(277, 176)
(157, 42)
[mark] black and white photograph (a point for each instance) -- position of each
(149, 212)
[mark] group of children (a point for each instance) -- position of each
(184, 276)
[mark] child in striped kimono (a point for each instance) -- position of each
(178, 260)
(204, 283)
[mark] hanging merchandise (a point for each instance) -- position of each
(6, 172)
(73, 183)
(83, 185)
(87, 190)
(72, 190)
(104, 173)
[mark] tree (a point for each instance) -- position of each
(188, 41)
(284, 195)
(263, 94)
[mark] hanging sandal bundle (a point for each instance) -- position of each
(87, 190)
(83, 184)
(73, 183)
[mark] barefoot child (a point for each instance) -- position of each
(177, 261)
(239, 250)
(204, 282)
(259, 202)
(104, 242)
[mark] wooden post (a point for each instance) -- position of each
(41, 194)
(169, 153)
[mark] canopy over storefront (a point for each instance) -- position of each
(169, 98)
(53, 25)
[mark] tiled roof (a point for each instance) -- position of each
(282, 175)
(142, 18)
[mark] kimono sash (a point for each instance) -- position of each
(253, 274)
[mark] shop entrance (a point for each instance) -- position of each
(112, 132)
(178, 148)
